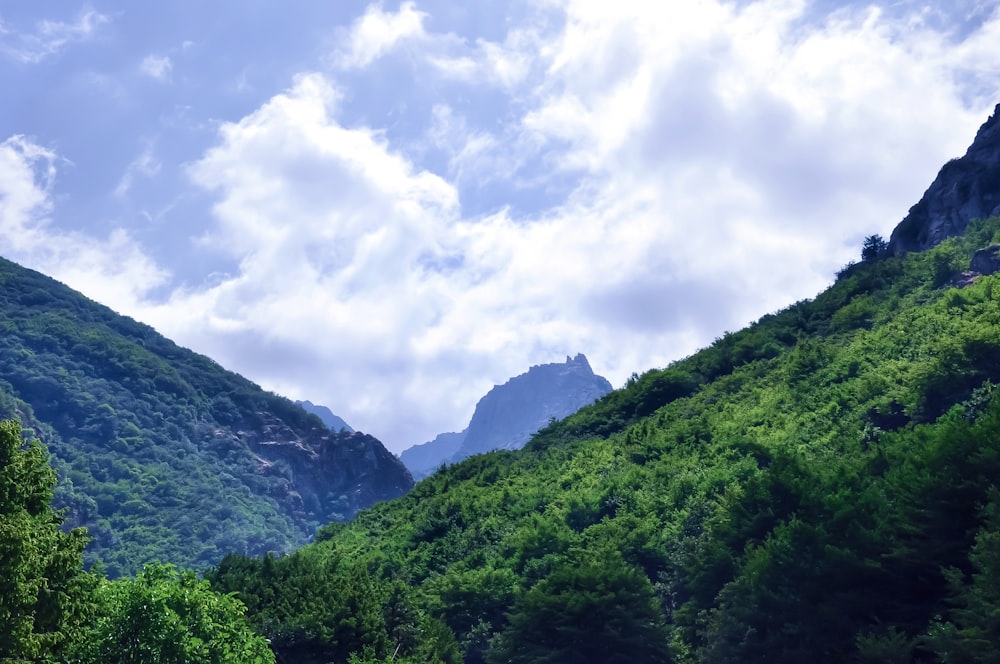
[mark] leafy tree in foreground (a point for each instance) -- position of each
(44, 592)
(52, 610)
(168, 616)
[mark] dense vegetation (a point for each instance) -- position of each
(821, 486)
(52, 610)
(159, 450)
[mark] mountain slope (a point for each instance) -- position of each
(161, 453)
(507, 416)
(425, 458)
(820, 486)
(333, 422)
(967, 188)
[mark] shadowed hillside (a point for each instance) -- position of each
(162, 453)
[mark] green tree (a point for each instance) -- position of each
(874, 249)
(598, 609)
(168, 616)
(44, 592)
(973, 632)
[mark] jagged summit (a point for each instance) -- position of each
(510, 413)
(965, 189)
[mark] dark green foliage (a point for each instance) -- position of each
(597, 609)
(45, 596)
(874, 249)
(973, 630)
(159, 450)
(818, 487)
(316, 609)
(169, 617)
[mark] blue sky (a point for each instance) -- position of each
(389, 208)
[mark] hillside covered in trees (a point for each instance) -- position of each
(161, 453)
(821, 486)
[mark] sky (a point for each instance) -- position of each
(388, 208)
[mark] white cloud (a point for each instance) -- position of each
(377, 32)
(504, 64)
(721, 155)
(112, 270)
(48, 37)
(673, 170)
(156, 66)
(145, 165)
(26, 174)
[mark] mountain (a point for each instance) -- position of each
(509, 414)
(332, 422)
(161, 453)
(819, 486)
(425, 458)
(966, 188)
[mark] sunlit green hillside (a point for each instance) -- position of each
(821, 487)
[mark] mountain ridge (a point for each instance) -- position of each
(770, 498)
(162, 453)
(332, 421)
(508, 415)
(818, 486)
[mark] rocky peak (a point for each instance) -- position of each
(965, 189)
(511, 413)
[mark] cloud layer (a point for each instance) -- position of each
(627, 180)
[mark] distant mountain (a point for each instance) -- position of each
(424, 459)
(509, 414)
(965, 189)
(333, 422)
(161, 453)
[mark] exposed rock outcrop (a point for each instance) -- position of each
(986, 261)
(332, 475)
(511, 413)
(965, 189)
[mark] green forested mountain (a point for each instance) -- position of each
(161, 453)
(821, 486)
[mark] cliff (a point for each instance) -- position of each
(965, 189)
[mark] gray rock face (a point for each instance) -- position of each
(965, 189)
(509, 414)
(330, 475)
(986, 261)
